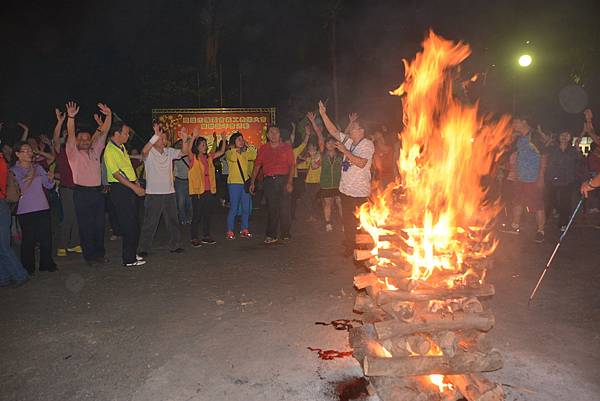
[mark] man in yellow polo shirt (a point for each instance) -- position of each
(123, 191)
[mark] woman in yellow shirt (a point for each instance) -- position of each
(312, 181)
(239, 158)
(203, 187)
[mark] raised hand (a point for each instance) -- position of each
(72, 109)
(104, 109)
(353, 117)
(60, 116)
(322, 108)
(23, 126)
(98, 119)
(45, 139)
(311, 116)
(157, 129)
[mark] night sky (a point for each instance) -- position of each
(139, 55)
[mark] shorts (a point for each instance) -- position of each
(528, 194)
(329, 192)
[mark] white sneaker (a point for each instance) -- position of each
(136, 263)
(328, 227)
(138, 257)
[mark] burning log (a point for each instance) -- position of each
(409, 389)
(365, 280)
(364, 303)
(385, 297)
(475, 387)
(405, 345)
(462, 362)
(430, 322)
(447, 341)
(475, 340)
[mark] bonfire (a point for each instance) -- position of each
(428, 244)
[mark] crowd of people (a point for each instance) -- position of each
(65, 186)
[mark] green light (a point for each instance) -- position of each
(525, 60)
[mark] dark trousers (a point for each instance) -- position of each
(349, 206)
(203, 206)
(561, 197)
(155, 206)
(125, 201)
(112, 215)
(278, 206)
(298, 192)
(69, 231)
(89, 207)
(36, 228)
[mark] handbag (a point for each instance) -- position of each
(13, 191)
(246, 181)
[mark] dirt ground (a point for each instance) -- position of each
(233, 322)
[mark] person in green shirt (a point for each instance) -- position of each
(331, 171)
(124, 190)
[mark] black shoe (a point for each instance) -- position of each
(176, 250)
(142, 254)
(539, 237)
(208, 240)
(286, 237)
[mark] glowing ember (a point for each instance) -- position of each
(438, 380)
(447, 149)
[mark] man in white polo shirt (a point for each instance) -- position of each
(355, 181)
(160, 192)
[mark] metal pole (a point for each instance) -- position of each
(241, 89)
(555, 250)
(221, 83)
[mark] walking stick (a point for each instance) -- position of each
(555, 250)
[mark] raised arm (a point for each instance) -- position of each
(186, 142)
(102, 130)
(317, 128)
(293, 133)
(152, 141)
(331, 128)
(72, 110)
(352, 117)
(60, 119)
(221, 149)
(25, 133)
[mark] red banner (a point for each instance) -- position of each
(252, 123)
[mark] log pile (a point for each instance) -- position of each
(424, 342)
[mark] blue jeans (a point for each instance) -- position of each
(184, 202)
(237, 195)
(11, 268)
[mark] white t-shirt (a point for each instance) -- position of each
(356, 181)
(159, 171)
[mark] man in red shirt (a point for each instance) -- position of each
(11, 269)
(277, 162)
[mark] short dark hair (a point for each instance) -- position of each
(116, 127)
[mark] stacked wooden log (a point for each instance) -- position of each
(415, 332)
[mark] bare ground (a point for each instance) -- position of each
(233, 322)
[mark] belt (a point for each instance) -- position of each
(181, 179)
(84, 188)
(275, 176)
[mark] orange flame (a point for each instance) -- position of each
(447, 149)
(438, 380)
